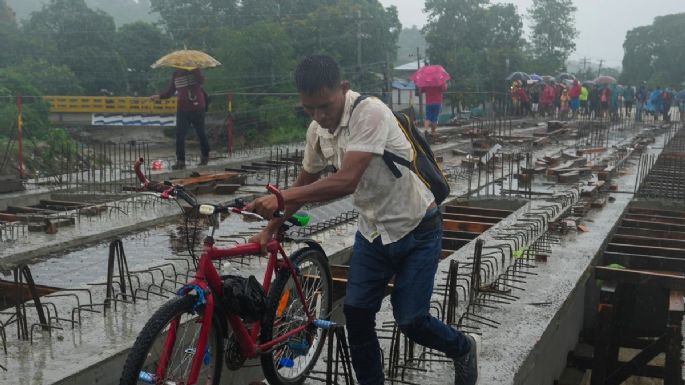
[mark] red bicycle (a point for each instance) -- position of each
(188, 339)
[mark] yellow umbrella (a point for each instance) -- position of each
(186, 59)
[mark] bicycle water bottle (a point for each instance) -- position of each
(323, 324)
(146, 377)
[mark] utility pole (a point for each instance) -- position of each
(599, 71)
(418, 66)
(584, 63)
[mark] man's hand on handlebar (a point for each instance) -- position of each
(265, 206)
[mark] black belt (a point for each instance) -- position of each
(429, 222)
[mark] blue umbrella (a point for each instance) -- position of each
(536, 77)
(680, 96)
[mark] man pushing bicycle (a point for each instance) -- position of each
(400, 225)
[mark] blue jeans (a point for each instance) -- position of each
(413, 261)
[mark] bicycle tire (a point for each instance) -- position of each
(281, 296)
(140, 354)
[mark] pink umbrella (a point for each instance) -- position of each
(430, 76)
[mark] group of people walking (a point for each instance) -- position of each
(598, 101)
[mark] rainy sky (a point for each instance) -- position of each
(602, 23)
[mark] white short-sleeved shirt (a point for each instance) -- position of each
(389, 207)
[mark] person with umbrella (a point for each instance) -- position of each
(584, 95)
(191, 100)
(640, 99)
(655, 104)
(433, 106)
(432, 81)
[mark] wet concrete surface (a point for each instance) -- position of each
(511, 353)
(94, 351)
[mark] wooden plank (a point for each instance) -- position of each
(649, 241)
(652, 225)
(52, 202)
(645, 262)
(457, 209)
(471, 218)
(460, 234)
(663, 213)
(654, 218)
(8, 217)
(645, 250)
(205, 178)
(478, 227)
(28, 210)
(641, 277)
(650, 233)
(57, 222)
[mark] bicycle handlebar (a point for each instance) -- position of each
(168, 190)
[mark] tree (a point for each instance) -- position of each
(47, 78)
(553, 33)
(409, 40)
(483, 38)
(192, 22)
(84, 40)
(340, 28)
(655, 53)
(141, 44)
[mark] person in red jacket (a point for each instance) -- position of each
(521, 94)
(433, 106)
(190, 110)
(547, 100)
(574, 95)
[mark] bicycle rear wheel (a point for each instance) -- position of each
(143, 359)
(291, 363)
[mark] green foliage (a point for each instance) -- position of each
(141, 44)
(191, 22)
(48, 79)
(553, 34)
(257, 58)
(484, 44)
(655, 53)
(91, 55)
(123, 11)
(35, 110)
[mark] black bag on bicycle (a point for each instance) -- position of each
(244, 297)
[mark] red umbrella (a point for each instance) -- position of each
(605, 79)
(430, 76)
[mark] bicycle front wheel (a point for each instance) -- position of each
(291, 363)
(151, 346)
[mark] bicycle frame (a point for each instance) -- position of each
(208, 279)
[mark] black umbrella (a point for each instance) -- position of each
(522, 76)
(565, 76)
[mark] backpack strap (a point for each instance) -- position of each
(390, 159)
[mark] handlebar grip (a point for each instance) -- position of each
(279, 197)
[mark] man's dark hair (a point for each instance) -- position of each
(315, 73)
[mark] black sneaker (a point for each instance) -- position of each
(466, 366)
(180, 165)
